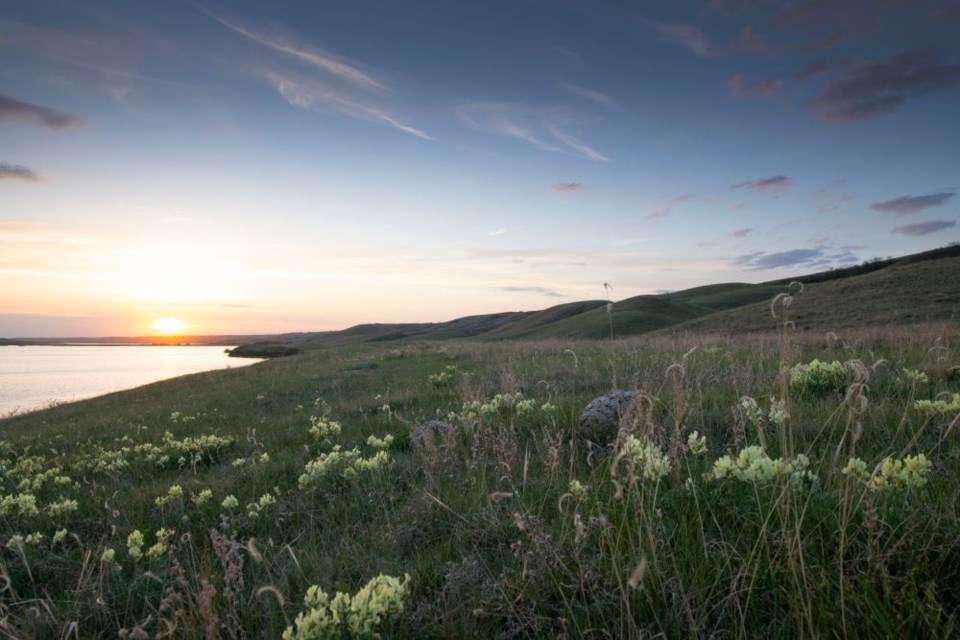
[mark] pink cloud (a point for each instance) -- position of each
(773, 184)
(567, 187)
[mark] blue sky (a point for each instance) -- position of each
(296, 166)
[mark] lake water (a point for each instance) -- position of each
(36, 376)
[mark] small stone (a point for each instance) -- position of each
(599, 422)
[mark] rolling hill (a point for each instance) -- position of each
(923, 287)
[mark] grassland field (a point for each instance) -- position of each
(821, 503)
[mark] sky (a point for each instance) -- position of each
(261, 167)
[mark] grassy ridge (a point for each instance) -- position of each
(903, 293)
(922, 287)
(504, 526)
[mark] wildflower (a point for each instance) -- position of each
(856, 468)
(646, 457)
(230, 502)
(753, 464)
(914, 376)
(266, 500)
(939, 406)
(34, 538)
(818, 378)
(907, 473)
(175, 492)
(156, 550)
(15, 543)
(751, 410)
(135, 544)
(348, 615)
(59, 536)
(23, 504)
(778, 412)
(62, 507)
(323, 428)
(525, 406)
(697, 444)
(380, 443)
(203, 496)
(108, 555)
(578, 490)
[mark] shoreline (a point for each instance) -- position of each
(55, 374)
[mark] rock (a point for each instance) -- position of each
(430, 430)
(599, 422)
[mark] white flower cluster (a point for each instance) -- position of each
(349, 463)
(349, 616)
(754, 465)
(909, 472)
(647, 458)
(323, 428)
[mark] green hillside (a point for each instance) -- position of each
(902, 293)
(910, 289)
(536, 322)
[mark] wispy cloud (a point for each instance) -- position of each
(316, 80)
(497, 232)
(589, 94)
(906, 205)
(739, 87)
(923, 228)
(667, 207)
(315, 95)
(542, 127)
(343, 68)
(567, 187)
(29, 113)
(868, 89)
(688, 36)
(773, 184)
(541, 290)
(18, 172)
(761, 260)
(741, 233)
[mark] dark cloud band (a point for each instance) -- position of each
(28, 113)
(906, 205)
(17, 172)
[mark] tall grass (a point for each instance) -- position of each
(504, 523)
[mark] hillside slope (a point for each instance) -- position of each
(914, 288)
(902, 293)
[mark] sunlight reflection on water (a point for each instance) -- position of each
(36, 376)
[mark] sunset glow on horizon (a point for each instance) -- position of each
(169, 326)
(242, 168)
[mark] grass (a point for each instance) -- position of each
(505, 525)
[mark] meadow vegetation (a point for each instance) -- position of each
(791, 484)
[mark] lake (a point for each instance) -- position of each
(35, 376)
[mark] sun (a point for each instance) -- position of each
(169, 326)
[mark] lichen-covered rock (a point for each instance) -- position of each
(600, 420)
(430, 430)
